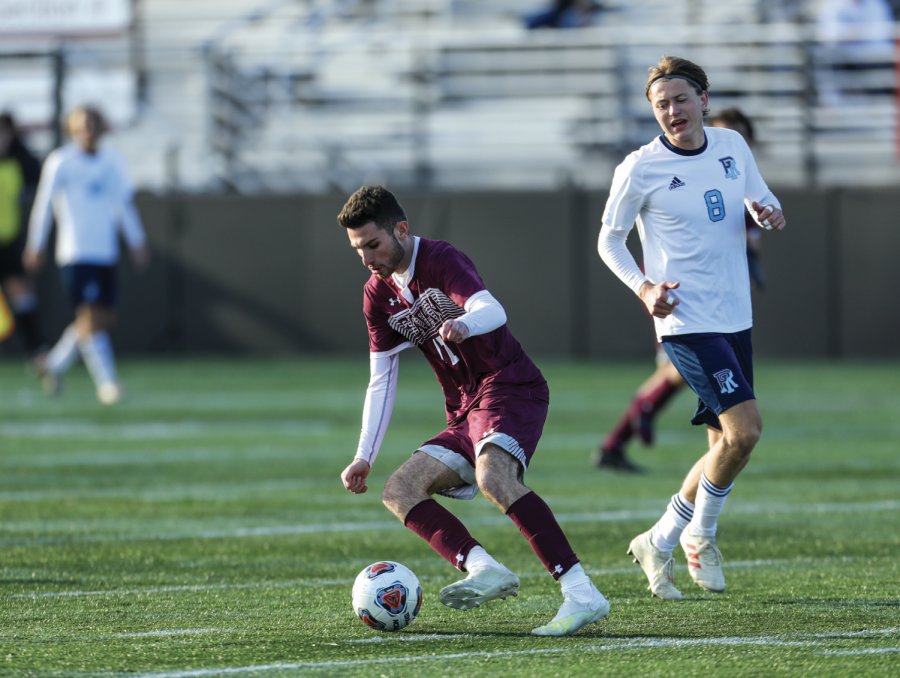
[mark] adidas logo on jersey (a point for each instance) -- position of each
(676, 183)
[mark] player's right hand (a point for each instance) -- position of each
(657, 299)
(354, 476)
(32, 261)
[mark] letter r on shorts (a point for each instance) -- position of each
(726, 381)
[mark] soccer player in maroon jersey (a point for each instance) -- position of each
(426, 293)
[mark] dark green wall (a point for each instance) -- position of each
(276, 275)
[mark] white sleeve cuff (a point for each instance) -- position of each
(380, 396)
(483, 314)
(615, 254)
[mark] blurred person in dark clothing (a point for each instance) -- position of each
(19, 175)
(565, 14)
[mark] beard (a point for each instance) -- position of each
(394, 259)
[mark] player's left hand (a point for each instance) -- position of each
(140, 256)
(454, 330)
(354, 476)
(769, 216)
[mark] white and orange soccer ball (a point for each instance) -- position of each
(386, 596)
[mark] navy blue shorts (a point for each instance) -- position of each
(719, 367)
(90, 284)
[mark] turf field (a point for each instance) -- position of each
(200, 529)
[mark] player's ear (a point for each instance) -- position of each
(401, 229)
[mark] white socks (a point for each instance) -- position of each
(664, 535)
(64, 353)
(710, 500)
(699, 518)
(576, 585)
(479, 559)
(97, 352)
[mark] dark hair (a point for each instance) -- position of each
(733, 117)
(372, 203)
(7, 121)
(676, 67)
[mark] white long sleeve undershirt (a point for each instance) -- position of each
(616, 255)
(379, 405)
(483, 314)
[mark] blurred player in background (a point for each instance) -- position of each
(688, 190)
(19, 174)
(91, 196)
(653, 395)
(426, 293)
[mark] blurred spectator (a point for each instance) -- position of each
(734, 119)
(785, 11)
(89, 191)
(857, 35)
(19, 174)
(565, 14)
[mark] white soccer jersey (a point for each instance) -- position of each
(91, 196)
(689, 209)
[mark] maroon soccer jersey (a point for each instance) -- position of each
(443, 279)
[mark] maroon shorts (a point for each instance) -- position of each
(513, 420)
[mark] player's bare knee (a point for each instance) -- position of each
(492, 490)
(501, 490)
(742, 440)
(395, 493)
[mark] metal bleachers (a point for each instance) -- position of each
(314, 95)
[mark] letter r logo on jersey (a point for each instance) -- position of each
(726, 381)
(731, 172)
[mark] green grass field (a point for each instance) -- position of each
(201, 529)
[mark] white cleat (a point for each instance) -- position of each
(704, 562)
(659, 567)
(573, 616)
(480, 587)
(50, 381)
(110, 393)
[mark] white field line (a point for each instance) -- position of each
(635, 570)
(172, 455)
(599, 517)
(171, 492)
(410, 639)
(145, 634)
(157, 634)
(180, 589)
(388, 637)
(630, 644)
(159, 430)
(872, 650)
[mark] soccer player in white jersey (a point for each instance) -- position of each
(687, 191)
(89, 191)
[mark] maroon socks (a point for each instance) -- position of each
(440, 528)
(639, 416)
(536, 521)
(450, 538)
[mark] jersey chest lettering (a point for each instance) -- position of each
(421, 321)
(703, 193)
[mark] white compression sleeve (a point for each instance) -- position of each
(615, 254)
(379, 405)
(483, 314)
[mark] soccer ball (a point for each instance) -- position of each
(387, 596)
